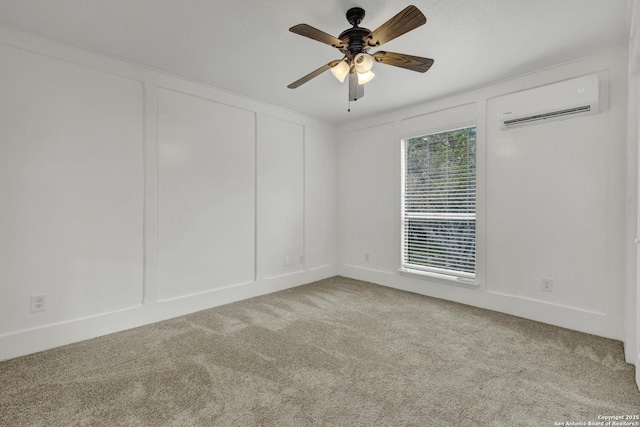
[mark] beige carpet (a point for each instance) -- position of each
(336, 352)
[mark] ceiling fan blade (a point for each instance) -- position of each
(410, 62)
(313, 74)
(408, 19)
(314, 33)
(356, 91)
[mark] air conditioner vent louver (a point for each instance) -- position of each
(545, 116)
(567, 99)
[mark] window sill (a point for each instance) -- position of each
(442, 278)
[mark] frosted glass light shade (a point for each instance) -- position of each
(363, 62)
(365, 77)
(340, 71)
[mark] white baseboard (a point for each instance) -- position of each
(28, 341)
(637, 364)
(564, 316)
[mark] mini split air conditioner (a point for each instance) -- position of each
(558, 101)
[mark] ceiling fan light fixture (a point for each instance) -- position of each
(363, 62)
(365, 77)
(340, 71)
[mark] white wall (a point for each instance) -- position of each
(368, 219)
(129, 196)
(551, 202)
(320, 218)
(280, 203)
(632, 326)
(71, 189)
(632, 344)
(206, 195)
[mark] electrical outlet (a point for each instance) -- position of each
(301, 259)
(367, 257)
(547, 285)
(37, 303)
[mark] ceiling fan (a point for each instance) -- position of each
(355, 43)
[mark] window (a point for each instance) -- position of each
(439, 203)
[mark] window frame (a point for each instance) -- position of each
(459, 278)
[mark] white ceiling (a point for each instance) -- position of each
(244, 46)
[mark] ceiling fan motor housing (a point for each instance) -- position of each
(355, 38)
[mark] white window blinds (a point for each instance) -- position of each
(439, 202)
